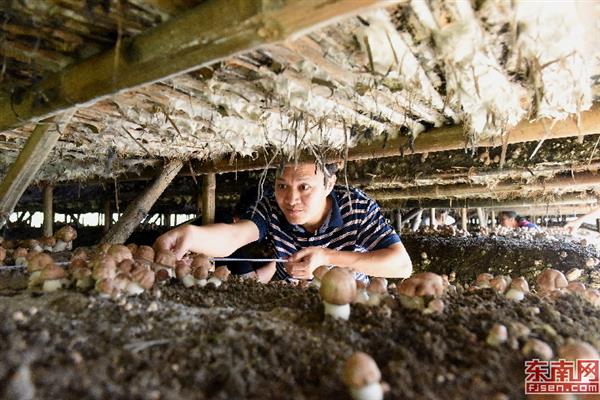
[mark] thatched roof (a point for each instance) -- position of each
(383, 73)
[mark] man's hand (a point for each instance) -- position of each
(178, 240)
(302, 264)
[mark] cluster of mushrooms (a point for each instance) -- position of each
(19, 251)
(114, 270)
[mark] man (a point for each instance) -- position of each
(511, 219)
(311, 222)
(572, 226)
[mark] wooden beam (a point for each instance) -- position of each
(209, 186)
(138, 209)
(47, 228)
(433, 140)
(576, 183)
(212, 31)
(38, 146)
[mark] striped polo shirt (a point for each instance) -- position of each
(354, 223)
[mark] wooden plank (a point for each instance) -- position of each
(139, 208)
(433, 140)
(47, 228)
(35, 151)
(209, 186)
(212, 31)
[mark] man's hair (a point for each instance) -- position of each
(329, 170)
(509, 214)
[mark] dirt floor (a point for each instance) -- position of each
(248, 340)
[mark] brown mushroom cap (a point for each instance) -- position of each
(360, 370)
(120, 253)
(422, 284)
(29, 243)
(521, 284)
(78, 263)
(551, 279)
(145, 253)
(484, 277)
(499, 284)
(121, 281)
(143, 276)
(377, 286)
(183, 268)
(200, 271)
(320, 272)
(576, 287)
(222, 273)
(102, 248)
(132, 247)
(51, 272)
(80, 252)
(67, 234)
(48, 241)
(165, 258)
(104, 267)
(39, 261)
(79, 269)
(338, 287)
(105, 286)
(126, 266)
(578, 350)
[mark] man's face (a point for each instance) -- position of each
(508, 222)
(301, 193)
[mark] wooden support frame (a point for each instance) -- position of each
(212, 31)
(47, 227)
(209, 187)
(38, 146)
(138, 209)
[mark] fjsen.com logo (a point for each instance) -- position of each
(562, 376)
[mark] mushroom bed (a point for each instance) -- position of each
(249, 340)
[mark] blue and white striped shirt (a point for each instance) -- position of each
(354, 223)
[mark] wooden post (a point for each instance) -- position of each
(493, 217)
(598, 225)
(209, 186)
(481, 217)
(167, 220)
(139, 208)
(107, 215)
(398, 220)
(20, 174)
(464, 219)
(47, 228)
(432, 220)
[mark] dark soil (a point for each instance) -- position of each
(247, 340)
(470, 256)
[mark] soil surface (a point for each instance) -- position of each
(254, 341)
(470, 256)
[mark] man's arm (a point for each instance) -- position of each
(215, 240)
(574, 225)
(390, 262)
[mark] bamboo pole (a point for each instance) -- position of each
(139, 208)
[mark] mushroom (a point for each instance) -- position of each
(47, 243)
(338, 289)
(318, 275)
(164, 265)
(104, 267)
(144, 253)
(362, 297)
(119, 253)
(2, 254)
(105, 287)
(126, 266)
(121, 281)
(593, 296)
(576, 287)
(422, 284)
(53, 277)
(549, 280)
(132, 247)
(142, 279)
(377, 290)
(102, 248)
(434, 306)
(518, 289)
(538, 349)
(363, 378)
(20, 256)
(499, 284)
(497, 335)
(578, 350)
(32, 245)
(35, 266)
(220, 275)
(64, 238)
(201, 265)
(80, 252)
(183, 272)
(81, 273)
(483, 280)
